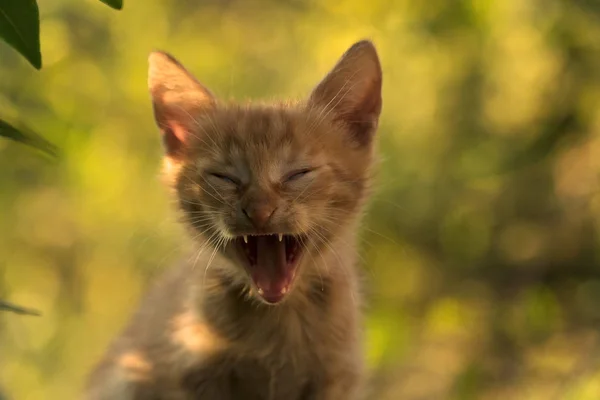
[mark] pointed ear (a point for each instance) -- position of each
(177, 98)
(351, 92)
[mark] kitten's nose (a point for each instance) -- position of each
(259, 214)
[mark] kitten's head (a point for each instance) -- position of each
(270, 186)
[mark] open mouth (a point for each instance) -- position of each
(272, 261)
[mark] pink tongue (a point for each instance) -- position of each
(270, 273)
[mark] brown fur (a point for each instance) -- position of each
(202, 332)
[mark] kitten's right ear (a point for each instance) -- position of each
(351, 92)
(177, 98)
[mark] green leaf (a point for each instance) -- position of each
(116, 4)
(20, 28)
(28, 137)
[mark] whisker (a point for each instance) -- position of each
(197, 123)
(222, 200)
(217, 192)
(316, 264)
(203, 247)
(341, 265)
(212, 256)
(326, 110)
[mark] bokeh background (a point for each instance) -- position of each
(481, 248)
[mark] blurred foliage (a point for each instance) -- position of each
(20, 28)
(481, 246)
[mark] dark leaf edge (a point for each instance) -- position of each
(6, 306)
(35, 56)
(26, 136)
(116, 4)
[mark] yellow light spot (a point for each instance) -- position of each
(195, 336)
(135, 366)
(170, 170)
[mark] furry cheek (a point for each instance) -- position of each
(300, 215)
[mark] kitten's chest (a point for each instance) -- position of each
(285, 365)
(281, 361)
(254, 381)
(235, 378)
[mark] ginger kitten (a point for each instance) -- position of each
(268, 308)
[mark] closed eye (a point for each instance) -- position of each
(224, 178)
(298, 174)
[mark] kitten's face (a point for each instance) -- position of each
(270, 187)
(270, 172)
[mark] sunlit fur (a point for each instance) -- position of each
(203, 332)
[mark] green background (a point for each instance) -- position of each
(480, 247)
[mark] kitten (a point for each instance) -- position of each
(271, 194)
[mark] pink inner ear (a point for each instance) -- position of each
(174, 137)
(179, 131)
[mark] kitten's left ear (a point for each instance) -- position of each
(177, 98)
(352, 91)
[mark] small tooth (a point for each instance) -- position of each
(260, 291)
(245, 239)
(284, 290)
(280, 237)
